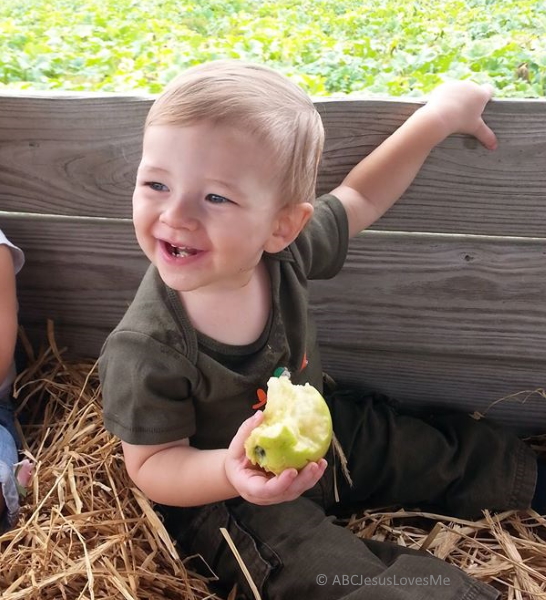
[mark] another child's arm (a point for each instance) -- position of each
(8, 311)
(375, 183)
(176, 474)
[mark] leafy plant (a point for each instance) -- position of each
(327, 46)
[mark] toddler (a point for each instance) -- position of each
(224, 209)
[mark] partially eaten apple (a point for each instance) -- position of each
(296, 429)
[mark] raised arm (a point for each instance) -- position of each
(377, 181)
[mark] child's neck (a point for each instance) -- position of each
(236, 317)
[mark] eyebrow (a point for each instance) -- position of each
(232, 187)
(151, 168)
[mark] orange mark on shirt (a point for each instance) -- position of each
(262, 399)
(304, 362)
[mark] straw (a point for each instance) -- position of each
(86, 532)
(507, 550)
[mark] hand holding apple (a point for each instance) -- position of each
(259, 486)
(296, 428)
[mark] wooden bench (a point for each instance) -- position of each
(442, 302)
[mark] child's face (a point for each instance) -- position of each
(205, 205)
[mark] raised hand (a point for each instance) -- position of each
(459, 106)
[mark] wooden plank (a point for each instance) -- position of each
(81, 273)
(462, 188)
(438, 294)
(70, 154)
(77, 155)
(454, 295)
(507, 391)
(436, 320)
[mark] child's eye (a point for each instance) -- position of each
(156, 186)
(216, 199)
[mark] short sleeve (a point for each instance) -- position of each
(16, 253)
(146, 390)
(322, 246)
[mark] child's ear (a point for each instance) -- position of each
(290, 221)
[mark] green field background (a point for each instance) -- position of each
(328, 46)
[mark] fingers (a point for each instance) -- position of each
(486, 136)
(489, 89)
(236, 446)
(23, 472)
(308, 477)
(290, 484)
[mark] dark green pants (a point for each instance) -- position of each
(448, 463)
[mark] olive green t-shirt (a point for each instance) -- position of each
(163, 381)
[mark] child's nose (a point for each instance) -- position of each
(181, 214)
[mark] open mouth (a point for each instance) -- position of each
(180, 251)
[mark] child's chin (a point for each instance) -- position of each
(179, 285)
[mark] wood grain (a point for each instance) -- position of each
(81, 273)
(77, 155)
(461, 295)
(459, 320)
(70, 155)
(441, 304)
(462, 188)
(508, 391)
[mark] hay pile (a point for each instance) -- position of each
(86, 533)
(506, 550)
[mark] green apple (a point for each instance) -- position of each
(296, 429)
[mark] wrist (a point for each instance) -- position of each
(434, 124)
(228, 471)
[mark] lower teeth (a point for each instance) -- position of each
(179, 253)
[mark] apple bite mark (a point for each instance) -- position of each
(296, 429)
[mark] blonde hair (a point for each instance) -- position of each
(258, 101)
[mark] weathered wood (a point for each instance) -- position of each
(438, 294)
(70, 155)
(457, 295)
(77, 155)
(452, 317)
(443, 319)
(509, 391)
(81, 273)
(462, 188)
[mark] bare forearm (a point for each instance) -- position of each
(375, 184)
(184, 476)
(383, 176)
(403, 154)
